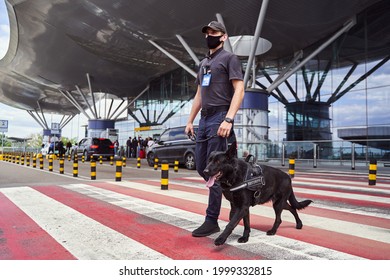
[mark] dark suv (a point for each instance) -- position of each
(95, 147)
(172, 145)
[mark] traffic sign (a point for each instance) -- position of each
(3, 126)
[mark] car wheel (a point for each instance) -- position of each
(86, 157)
(150, 159)
(190, 161)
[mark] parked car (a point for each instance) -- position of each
(95, 147)
(173, 144)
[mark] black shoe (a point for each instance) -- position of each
(206, 229)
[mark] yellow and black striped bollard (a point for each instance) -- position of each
(291, 170)
(50, 162)
(34, 164)
(75, 166)
(28, 160)
(176, 166)
(118, 171)
(123, 161)
(155, 163)
(101, 159)
(164, 175)
(62, 161)
(93, 169)
(139, 162)
(111, 160)
(22, 159)
(41, 161)
(372, 173)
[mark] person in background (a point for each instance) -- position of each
(68, 147)
(134, 147)
(128, 147)
(116, 146)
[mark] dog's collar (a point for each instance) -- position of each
(226, 183)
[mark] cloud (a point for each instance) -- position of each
(20, 123)
(4, 39)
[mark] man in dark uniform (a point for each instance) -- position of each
(128, 147)
(219, 95)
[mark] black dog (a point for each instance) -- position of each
(247, 184)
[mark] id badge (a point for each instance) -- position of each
(206, 80)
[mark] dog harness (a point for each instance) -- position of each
(254, 180)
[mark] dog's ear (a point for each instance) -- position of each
(232, 151)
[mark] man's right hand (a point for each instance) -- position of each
(189, 130)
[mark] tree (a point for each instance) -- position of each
(4, 141)
(35, 141)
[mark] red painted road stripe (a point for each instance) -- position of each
(362, 190)
(343, 179)
(312, 210)
(348, 217)
(22, 239)
(350, 201)
(169, 240)
(353, 245)
(357, 246)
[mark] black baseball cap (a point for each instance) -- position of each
(214, 25)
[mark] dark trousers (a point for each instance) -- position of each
(208, 127)
(128, 151)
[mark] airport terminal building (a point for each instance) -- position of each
(316, 74)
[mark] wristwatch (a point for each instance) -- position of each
(229, 120)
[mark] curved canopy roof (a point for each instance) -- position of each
(55, 43)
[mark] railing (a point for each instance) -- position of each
(336, 152)
(20, 149)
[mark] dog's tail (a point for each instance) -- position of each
(298, 204)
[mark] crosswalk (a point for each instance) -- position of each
(136, 220)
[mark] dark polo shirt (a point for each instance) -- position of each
(224, 67)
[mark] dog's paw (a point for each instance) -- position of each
(243, 239)
(271, 232)
(219, 241)
(299, 226)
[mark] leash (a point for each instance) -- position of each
(192, 137)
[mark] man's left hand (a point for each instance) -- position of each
(224, 129)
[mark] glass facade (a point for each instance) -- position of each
(363, 108)
(365, 105)
(167, 103)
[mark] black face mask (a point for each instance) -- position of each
(213, 41)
